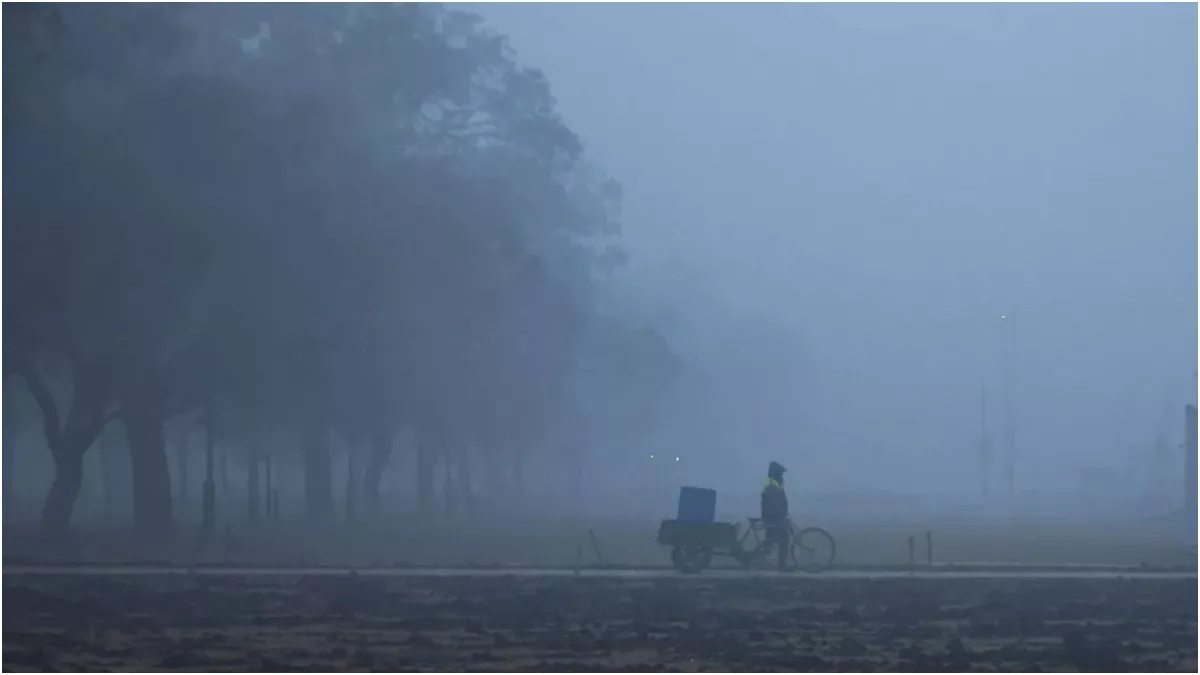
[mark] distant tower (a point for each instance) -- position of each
(985, 448)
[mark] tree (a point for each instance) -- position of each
(112, 246)
(241, 220)
(480, 195)
(56, 308)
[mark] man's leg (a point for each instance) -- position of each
(784, 542)
(768, 540)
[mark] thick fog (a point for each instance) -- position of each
(578, 255)
(834, 206)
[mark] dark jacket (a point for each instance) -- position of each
(774, 502)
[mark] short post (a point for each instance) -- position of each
(911, 552)
(929, 546)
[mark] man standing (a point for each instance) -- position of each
(775, 514)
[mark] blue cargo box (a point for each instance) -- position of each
(697, 505)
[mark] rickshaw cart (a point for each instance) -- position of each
(693, 545)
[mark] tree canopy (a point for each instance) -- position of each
(325, 217)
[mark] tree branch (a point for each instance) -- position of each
(102, 424)
(110, 418)
(182, 405)
(51, 426)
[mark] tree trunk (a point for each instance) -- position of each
(152, 508)
(351, 497)
(270, 488)
(449, 489)
(181, 459)
(68, 479)
(10, 470)
(426, 462)
(466, 499)
(381, 452)
(69, 439)
(318, 474)
(253, 492)
(491, 486)
(518, 468)
(110, 477)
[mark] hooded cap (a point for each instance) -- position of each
(775, 469)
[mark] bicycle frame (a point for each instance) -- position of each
(756, 552)
(754, 529)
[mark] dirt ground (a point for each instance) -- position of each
(798, 623)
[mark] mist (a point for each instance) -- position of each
(830, 208)
(600, 337)
(600, 252)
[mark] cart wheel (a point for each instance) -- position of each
(690, 559)
(813, 550)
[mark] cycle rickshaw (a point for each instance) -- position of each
(693, 545)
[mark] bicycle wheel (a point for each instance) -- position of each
(813, 550)
(691, 559)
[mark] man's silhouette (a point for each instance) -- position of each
(775, 514)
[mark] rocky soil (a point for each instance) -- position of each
(333, 623)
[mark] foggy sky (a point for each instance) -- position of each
(883, 182)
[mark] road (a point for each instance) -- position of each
(150, 570)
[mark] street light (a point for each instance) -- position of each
(1010, 413)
